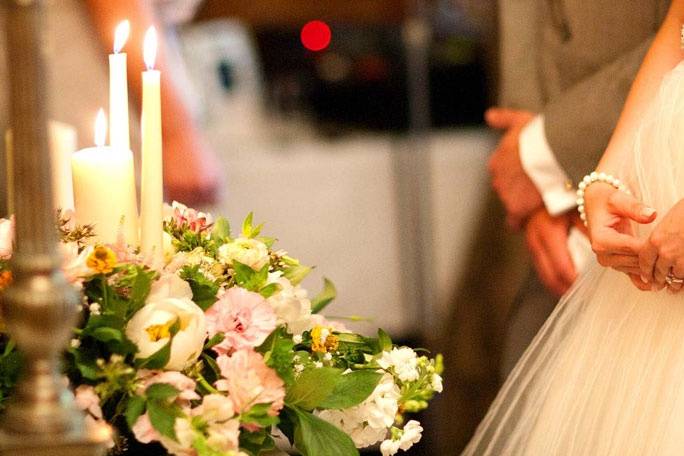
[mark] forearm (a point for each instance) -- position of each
(664, 54)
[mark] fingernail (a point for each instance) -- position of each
(644, 279)
(647, 211)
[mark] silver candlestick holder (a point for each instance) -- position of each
(40, 308)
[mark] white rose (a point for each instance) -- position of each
(169, 286)
(291, 304)
(250, 252)
(150, 329)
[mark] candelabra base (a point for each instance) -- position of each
(93, 444)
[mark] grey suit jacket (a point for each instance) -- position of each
(586, 54)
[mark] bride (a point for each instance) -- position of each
(605, 375)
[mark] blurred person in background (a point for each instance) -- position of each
(79, 35)
(565, 68)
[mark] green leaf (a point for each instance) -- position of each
(134, 408)
(255, 443)
(248, 278)
(163, 417)
(269, 290)
(278, 354)
(297, 273)
(85, 363)
(221, 230)
(384, 341)
(325, 297)
(258, 415)
(104, 334)
(316, 437)
(352, 389)
(215, 340)
(248, 229)
(203, 289)
(161, 391)
(312, 387)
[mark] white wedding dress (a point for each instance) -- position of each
(605, 375)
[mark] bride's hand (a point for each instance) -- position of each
(610, 213)
(663, 254)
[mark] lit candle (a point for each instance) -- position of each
(151, 181)
(62, 140)
(104, 188)
(118, 90)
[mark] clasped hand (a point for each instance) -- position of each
(648, 262)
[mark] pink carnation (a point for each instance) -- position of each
(245, 318)
(6, 238)
(143, 430)
(249, 381)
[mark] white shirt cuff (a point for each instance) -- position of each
(544, 170)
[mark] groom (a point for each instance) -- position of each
(566, 68)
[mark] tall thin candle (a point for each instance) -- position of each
(118, 90)
(151, 186)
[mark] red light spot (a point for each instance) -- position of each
(316, 35)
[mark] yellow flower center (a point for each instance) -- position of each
(323, 340)
(163, 331)
(158, 332)
(102, 260)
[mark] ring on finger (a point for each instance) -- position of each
(671, 279)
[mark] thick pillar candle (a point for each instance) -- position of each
(104, 189)
(119, 137)
(151, 182)
(62, 140)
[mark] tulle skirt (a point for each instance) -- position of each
(605, 375)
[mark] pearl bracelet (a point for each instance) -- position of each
(593, 178)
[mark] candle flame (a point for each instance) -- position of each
(150, 47)
(100, 128)
(121, 35)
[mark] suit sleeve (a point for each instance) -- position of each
(580, 121)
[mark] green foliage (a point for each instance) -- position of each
(258, 415)
(163, 416)
(248, 278)
(269, 290)
(134, 283)
(256, 443)
(248, 228)
(278, 354)
(134, 408)
(203, 449)
(220, 233)
(325, 297)
(203, 289)
(384, 341)
(352, 389)
(312, 387)
(10, 367)
(316, 437)
(297, 273)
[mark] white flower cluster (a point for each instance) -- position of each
(402, 439)
(403, 361)
(368, 422)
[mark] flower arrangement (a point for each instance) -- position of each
(218, 350)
